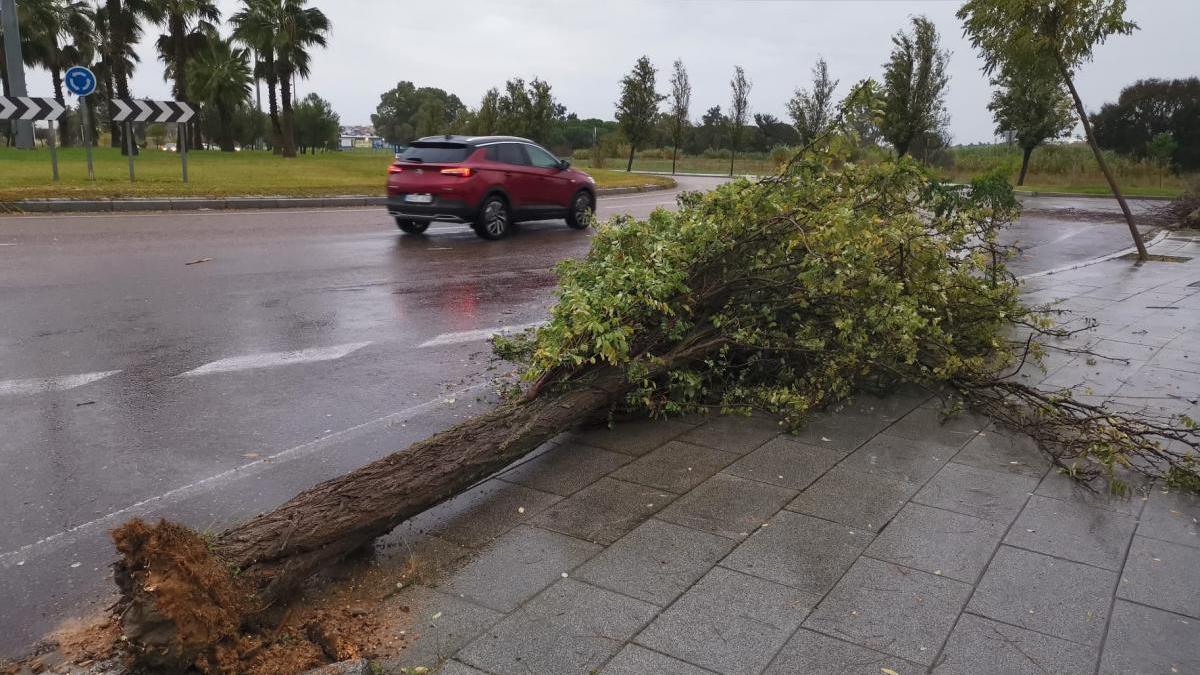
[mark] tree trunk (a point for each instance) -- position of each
(226, 142)
(1108, 175)
(178, 29)
(674, 154)
(901, 149)
(276, 551)
(629, 166)
(117, 32)
(288, 126)
(1024, 165)
(64, 136)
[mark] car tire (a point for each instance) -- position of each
(582, 210)
(412, 226)
(493, 221)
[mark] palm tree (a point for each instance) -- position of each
(220, 76)
(45, 24)
(123, 21)
(254, 27)
(190, 24)
(283, 31)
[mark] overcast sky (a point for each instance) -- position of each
(583, 49)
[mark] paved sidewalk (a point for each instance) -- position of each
(878, 540)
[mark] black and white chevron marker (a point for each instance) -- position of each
(30, 108)
(146, 110)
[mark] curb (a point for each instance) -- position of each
(231, 203)
(1069, 195)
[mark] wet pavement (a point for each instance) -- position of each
(207, 366)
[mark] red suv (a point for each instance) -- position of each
(488, 182)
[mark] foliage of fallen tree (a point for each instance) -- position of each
(782, 295)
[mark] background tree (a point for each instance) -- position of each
(1031, 104)
(297, 29)
(812, 110)
(254, 27)
(407, 112)
(681, 103)
(638, 105)
(770, 131)
(317, 125)
(191, 25)
(123, 21)
(1161, 149)
(1066, 32)
(1148, 108)
(527, 110)
(739, 110)
(487, 117)
(220, 76)
(914, 86)
(862, 112)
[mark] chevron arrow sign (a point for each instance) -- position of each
(146, 110)
(30, 108)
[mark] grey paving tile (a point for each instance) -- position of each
(728, 506)
(728, 622)
(605, 510)
(899, 458)
(939, 541)
(483, 513)
(980, 645)
(637, 660)
(786, 462)
(799, 551)
(1089, 375)
(1172, 515)
(850, 497)
(1074, 531)
(633, 437)
(809, 652)
(1061, 486)
(676, 466)
(1145, 641)
(440, 625)
(929, 424)
(734, 433)
(975, 492)
(891, 609)
(566, 469)
(839, 430)
(656, 561)
(1004, 451)
(516, 566)
(1162, 575)
(570, 628)
(1056, 597)
(1177, 359)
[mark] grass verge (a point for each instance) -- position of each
(25, 174)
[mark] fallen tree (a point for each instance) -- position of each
(782, 295)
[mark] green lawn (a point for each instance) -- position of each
(25, 174)
(694, 165)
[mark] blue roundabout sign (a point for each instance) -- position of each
(80, 80)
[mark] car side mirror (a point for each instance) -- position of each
(563, 165)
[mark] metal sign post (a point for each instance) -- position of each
(182, 140)
(53, 150)
(31, 109)
(129, 147)
(81, 81)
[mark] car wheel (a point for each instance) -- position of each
(582, 211)
(412, 226)
(492, 222)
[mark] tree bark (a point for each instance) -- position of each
(178, 30)
(629, 166)
(64, 136)
(288, 126)
(118, 31)
(1143, 254)
(1024, 166)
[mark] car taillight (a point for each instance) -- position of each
(464, 171)
(395, 168)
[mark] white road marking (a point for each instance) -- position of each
(275, 359)
(64, 538)
(40, 385)
(475, 335)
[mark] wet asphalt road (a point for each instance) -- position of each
(308, 343)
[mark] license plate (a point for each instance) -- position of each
(419, 198)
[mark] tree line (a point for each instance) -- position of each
(266, 41)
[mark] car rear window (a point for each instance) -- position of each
(435, 153)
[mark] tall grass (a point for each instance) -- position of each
(1071, 167)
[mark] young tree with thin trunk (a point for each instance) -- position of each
(739, 110)
(1065, 32)
(914, 83)
(812, 110)
(1032, 105)
(638, 105)
(681, 102)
